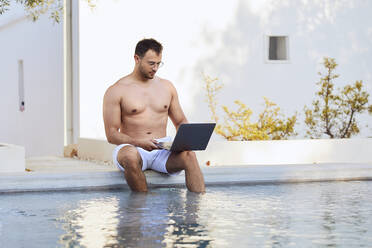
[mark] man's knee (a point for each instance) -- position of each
(129, 158)
(187, 154)
(187, 157)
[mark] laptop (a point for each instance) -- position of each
(190, 137)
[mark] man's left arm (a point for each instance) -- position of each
(175, 110)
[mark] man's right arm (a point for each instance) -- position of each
(112, 118)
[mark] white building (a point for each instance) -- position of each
(63, 70)
(32, 72)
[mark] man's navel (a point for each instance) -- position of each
(148, 132)
(134, 110)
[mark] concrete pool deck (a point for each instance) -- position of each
(61, 174)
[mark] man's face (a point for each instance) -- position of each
(149, 64)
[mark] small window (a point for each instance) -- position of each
(277, 49)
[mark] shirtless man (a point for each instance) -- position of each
(135, 113)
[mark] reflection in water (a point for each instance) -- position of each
(91, 224)
(184, 228)
(342, 212)
(294, 215)
(160, 219)
(141, 222)
(329, 221)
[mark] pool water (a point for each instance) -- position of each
(332, 214)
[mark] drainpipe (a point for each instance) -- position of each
(71, 72)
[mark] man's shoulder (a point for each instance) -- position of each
(166, 82)
(122, 83)
(115, 90)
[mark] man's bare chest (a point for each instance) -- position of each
(135, 101)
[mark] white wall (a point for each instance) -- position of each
(225, 39)
(40, 128)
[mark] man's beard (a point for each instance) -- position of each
(147, 75)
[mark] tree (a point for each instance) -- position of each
(271, 124)
(35, 8)
(334, 113)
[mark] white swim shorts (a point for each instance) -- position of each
(154, 160)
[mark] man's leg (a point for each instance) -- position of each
(130, 159)
(187, 161)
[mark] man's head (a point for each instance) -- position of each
(148, 56)
(148, 44)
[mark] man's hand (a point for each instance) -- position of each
(147, 144)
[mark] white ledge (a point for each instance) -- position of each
(259, 152)
(214, 176)
(12, 158)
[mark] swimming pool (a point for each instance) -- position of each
(327, 214)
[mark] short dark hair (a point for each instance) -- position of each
(148, 44)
